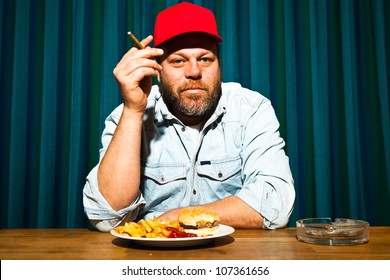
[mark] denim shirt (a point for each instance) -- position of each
(239, 153)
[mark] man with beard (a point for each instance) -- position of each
(192, 140)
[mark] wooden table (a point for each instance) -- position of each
(243, 244)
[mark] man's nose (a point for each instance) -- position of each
(193, 70)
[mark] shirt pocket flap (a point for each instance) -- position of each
(164, 174)
(219, 170)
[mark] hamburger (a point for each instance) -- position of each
(199, 220)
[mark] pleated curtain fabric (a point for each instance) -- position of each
(323, 64)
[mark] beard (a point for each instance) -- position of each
(192, 104)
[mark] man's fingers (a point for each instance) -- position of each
(145, 42)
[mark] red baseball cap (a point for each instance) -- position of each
(184, 18)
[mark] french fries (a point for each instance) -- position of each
(149, 228)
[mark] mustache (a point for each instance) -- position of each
(193, 84)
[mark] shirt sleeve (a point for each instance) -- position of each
(97, 209)
(268, 183)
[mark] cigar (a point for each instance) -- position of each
(135, 40)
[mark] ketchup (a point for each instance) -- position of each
(175, 233)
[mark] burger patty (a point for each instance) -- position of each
(200, 224)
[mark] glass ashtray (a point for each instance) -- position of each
(324, 231)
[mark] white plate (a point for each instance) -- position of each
(221, 231)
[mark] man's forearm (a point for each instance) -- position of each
(119, 170)
(232, 211)
(236, 213)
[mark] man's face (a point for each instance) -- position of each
(190, 79)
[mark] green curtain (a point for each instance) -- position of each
(323, 64)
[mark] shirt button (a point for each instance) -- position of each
(220, 174)
(183, 128)
(162, 178)
(194, 192)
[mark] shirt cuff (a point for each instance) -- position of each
(262, 197)
(99, 211)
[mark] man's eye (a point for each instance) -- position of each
(177, 61)
(206, 60)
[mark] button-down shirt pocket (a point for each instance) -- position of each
(222, 178)
(163, 186)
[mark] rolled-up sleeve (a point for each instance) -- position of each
(268, 183)
(99, 212)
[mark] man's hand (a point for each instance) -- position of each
(171, 214)
(134, 74)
